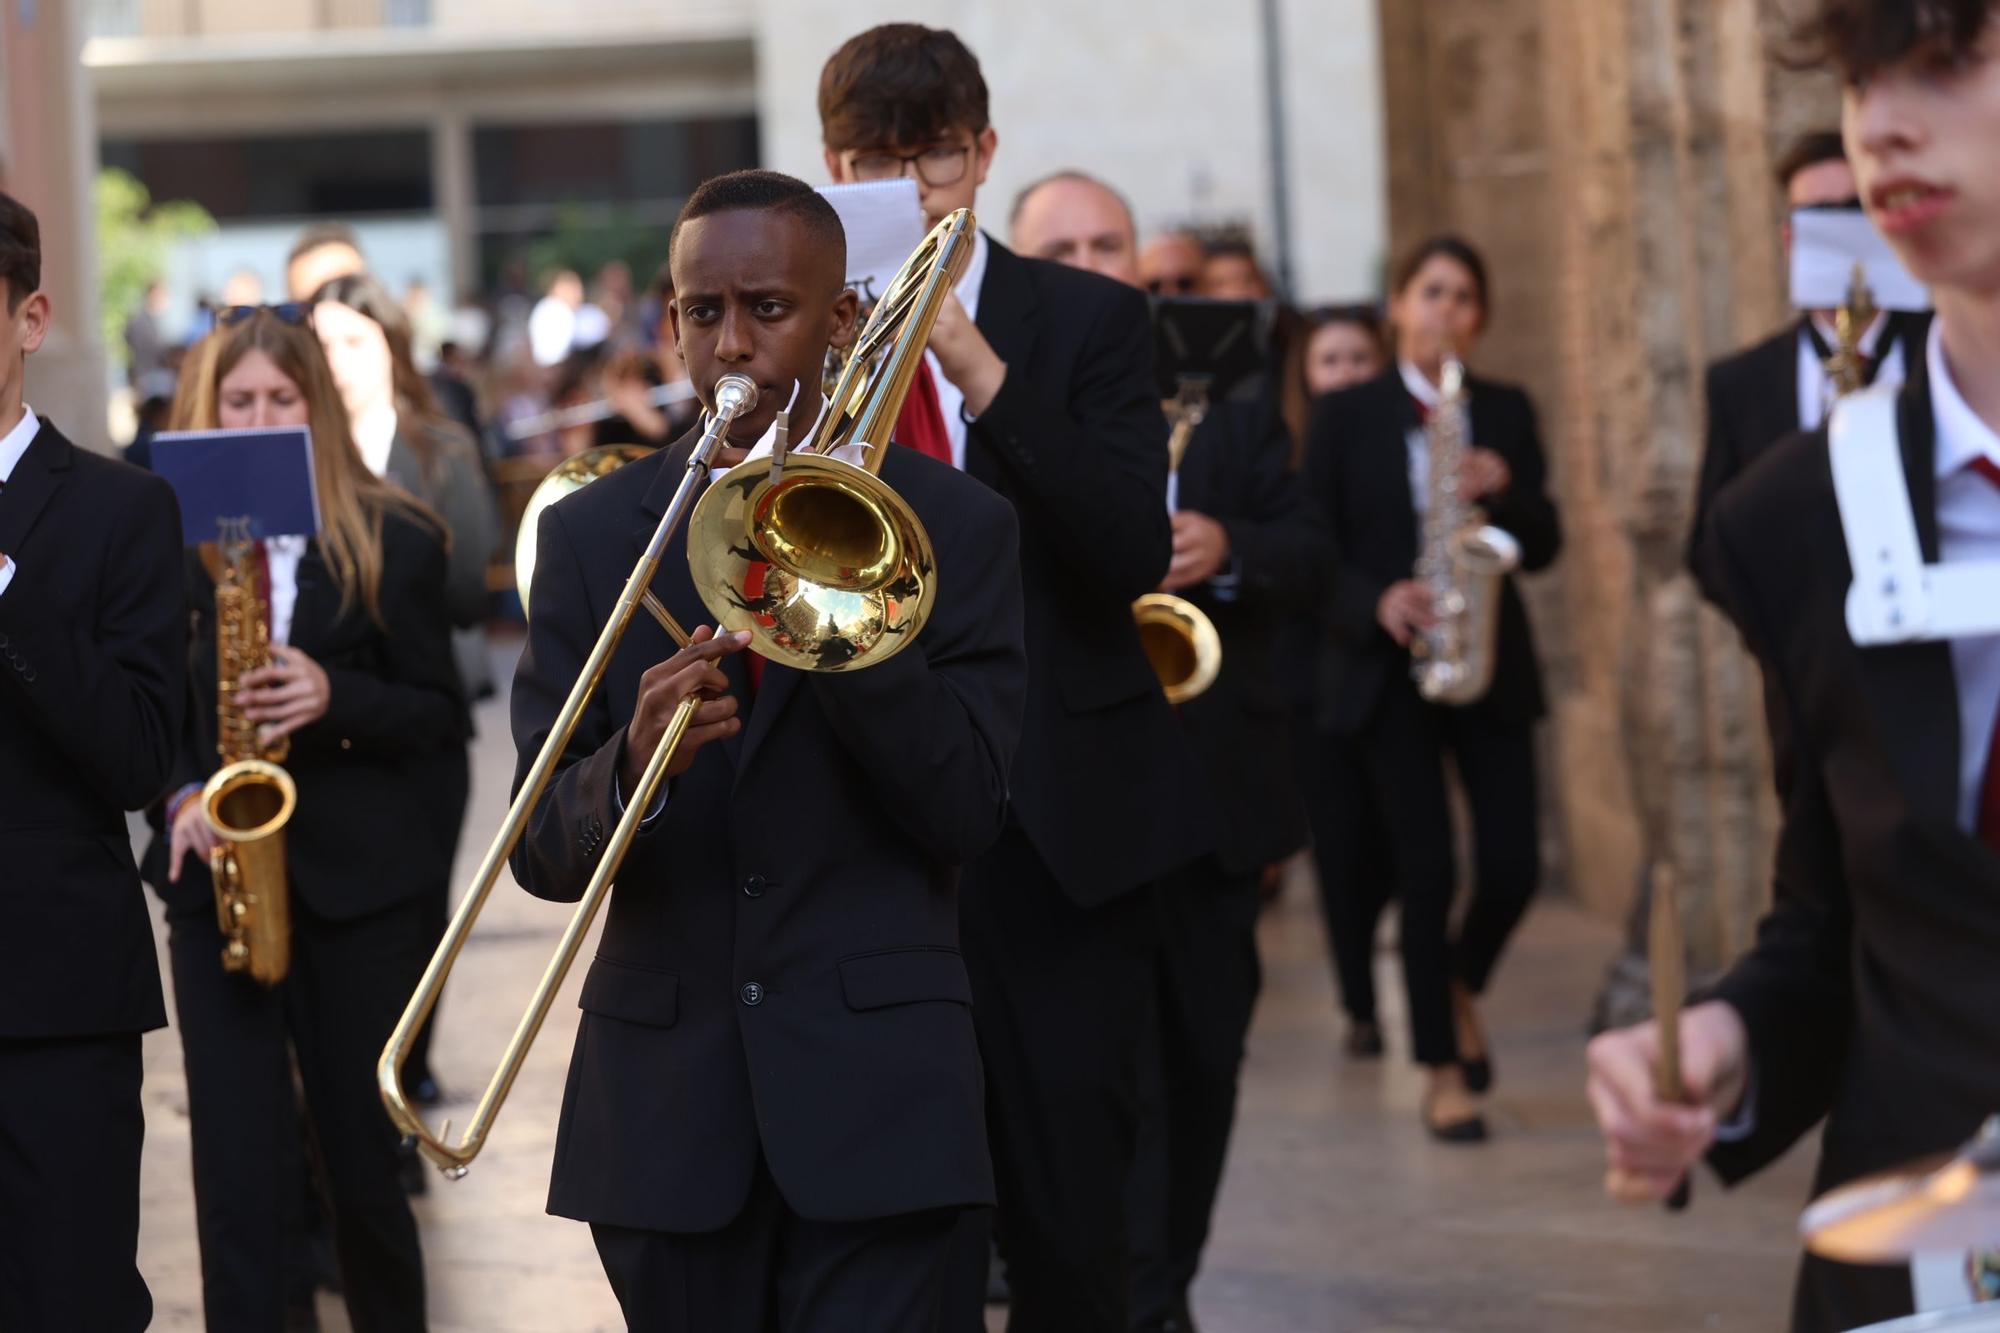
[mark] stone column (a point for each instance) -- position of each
(1613, 158)
(457, 200)
(48, 160)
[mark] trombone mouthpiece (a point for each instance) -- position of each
(734, 395)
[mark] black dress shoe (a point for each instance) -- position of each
(1478, 1073)
(1364, 1040)
(1472, 1129)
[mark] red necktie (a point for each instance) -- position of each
(1989, 789)
(1424, 410)
(921, 422)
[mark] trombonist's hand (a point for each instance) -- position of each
(1649, 1145)
(1404, 609)
(966, 358)
(692, 670)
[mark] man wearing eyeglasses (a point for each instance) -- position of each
(1040, 384)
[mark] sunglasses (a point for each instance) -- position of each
(1180, 284)
(294, 313)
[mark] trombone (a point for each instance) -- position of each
(826, 566)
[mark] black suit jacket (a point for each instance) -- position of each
(365, 835)
(453, 485)
(1104, 787)
(1870, 993)
(1753, 403)
(92, 688)
(813, 857)
(1238, 471)
(1357, 467)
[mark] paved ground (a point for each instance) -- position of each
(1337, 1216)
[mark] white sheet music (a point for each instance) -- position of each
(1827, 243)
(884, 223)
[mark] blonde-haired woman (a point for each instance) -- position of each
(363, 687)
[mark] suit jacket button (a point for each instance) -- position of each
(752, 993)
(28, 674)
(753, 887)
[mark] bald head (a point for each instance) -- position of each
(1077, 220)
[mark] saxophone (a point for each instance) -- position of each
(1463, 560)
(249, 800)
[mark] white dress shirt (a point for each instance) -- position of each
(374, 435)
(12, 447)
(951, 400)
(282, 556)
(1816, 390)
(1418, 440)
(1968, 516)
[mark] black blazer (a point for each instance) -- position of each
(92, 688)
(1238, 471)
(1870, 992)
(454, 486)
(365, 835)
(1357, 467)
(1753, 403)
(1104, 787)
(780, 972)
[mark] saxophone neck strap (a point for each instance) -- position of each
(1896, 597)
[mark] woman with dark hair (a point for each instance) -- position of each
(361, 684)
(1368, 464)
(404, 437)
(1344, 347)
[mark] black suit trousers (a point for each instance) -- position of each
(71, 1127)
(770, 1269)
(348, 983)
(1350, 858)
(1206, 989)
(1403, 751)
(1061, 998)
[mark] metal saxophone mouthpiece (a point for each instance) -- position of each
(734, 395)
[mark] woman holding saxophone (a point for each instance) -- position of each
(360, 696)
(1433, 484)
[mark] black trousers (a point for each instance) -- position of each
(71, 1128)
(1402, 752)
(1350, 857)
(772, 1271)
(348, 983)
(1206, 989)
(452, 792)
(1061, 997)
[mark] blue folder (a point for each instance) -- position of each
(257, 482)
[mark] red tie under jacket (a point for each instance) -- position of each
(1989, 789)
(921, 423)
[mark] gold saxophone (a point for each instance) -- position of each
(250, 799)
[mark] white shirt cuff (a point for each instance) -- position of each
(7, 574)
(618, 802)
(1744, 1123)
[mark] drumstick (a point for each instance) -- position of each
(1667, 961)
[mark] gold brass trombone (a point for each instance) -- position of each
(734, 395)
(826, 566)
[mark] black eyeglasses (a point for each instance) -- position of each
(937, 166)
(294, 313)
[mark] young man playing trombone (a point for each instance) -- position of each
(775, 1107)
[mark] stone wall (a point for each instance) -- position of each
(1613, 159)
